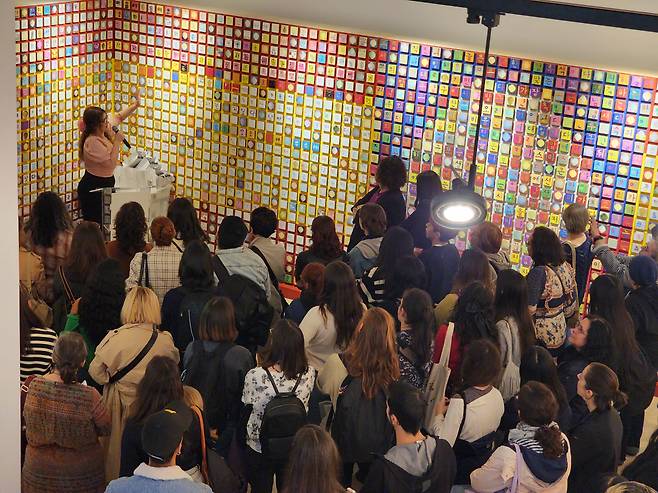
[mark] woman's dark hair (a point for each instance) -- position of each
(285, 347)
(391, 173)
(419, 312)
(102, 300)
(481, 364)
(428, 186)
(326, 244)
(512, 301)
(537, 364)
(313, 276)
(600, 345)
(130, 227)
(643, 468)
(314, 464)
(263, 221)
(397, 243)
(195, 270)
(604, 384)
(87, 251)
(409, 272)
(538, 407)
(183, 214)
(27, 321)
(69, 354)
(93, 119)
(474, 315)
(545, 247)
(217, 321)
(606, 301)
(48, 218)
(473, 266)
(373, 219)
(340, 297)
(160, 385)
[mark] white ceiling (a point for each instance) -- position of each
(565, 42)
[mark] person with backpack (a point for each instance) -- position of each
(469, 420)
(357, 381)
(418, 463)
(578, 245)
(158, 268)
(637, 375)
(552, 291)
(416, 337)
(182, 306)
(263, 223)
(244, 279)
(642, 304)
(328, 328)
(277, 393)
(516, 332)
(372, 219)
(216, 367)
(536, 457)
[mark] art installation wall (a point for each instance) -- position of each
(250, 112)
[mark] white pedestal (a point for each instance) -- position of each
(154, 201)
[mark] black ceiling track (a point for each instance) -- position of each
(583, 14)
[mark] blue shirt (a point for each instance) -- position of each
(157, 480)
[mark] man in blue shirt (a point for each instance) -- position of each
(162, 439)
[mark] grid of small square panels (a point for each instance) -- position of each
(249, 112)
(63, 64)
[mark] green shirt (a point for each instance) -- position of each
(73, 325)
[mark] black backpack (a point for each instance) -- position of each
(186, 329)
(253, 313)
(360, 426)
(284, 415)
(639, 382)
(206, 373)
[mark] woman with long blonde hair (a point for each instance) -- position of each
(121, 359)
(357, 381)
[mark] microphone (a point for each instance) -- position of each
(115, 129)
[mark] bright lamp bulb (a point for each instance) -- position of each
(459, 213)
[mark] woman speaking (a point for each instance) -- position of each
(99, 152)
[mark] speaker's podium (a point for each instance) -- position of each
(141, 179)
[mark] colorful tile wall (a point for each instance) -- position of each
(249, 112)
(63, 64)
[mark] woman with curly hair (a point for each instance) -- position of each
(326, 246)
(182, 213)
(51, 231)
(99, 310)
(391, 176)
(130, 228)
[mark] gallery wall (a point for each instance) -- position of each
(250, 112)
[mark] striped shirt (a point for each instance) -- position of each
(39, 353)
(372, 286)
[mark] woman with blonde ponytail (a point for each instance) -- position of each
(64, 419)
(596, 441)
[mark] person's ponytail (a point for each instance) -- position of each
(91, 120)
(68, 373)
(604, 384)
(550, 438)
(619, 399)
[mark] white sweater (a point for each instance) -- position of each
(482, 417)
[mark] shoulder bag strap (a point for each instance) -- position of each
(510, 343)
(273, 279)
(517, 472)
(461, 425)
(447, 345)
(177, 246)
(220, 269)
(65, 283)
(269, 375)
(299, 379)
(573, 255)
(136, 360)
(204, 456)
(144, 272)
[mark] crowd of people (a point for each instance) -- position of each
(149, 363)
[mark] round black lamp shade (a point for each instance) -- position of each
(458, 209)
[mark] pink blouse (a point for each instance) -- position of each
(99, 156)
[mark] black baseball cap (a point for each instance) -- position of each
(163, 431)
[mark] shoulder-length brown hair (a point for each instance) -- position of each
(285, 348)
(87, 250)
(326, 243)
(372, 354)
(473, 266)
(217, 321)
